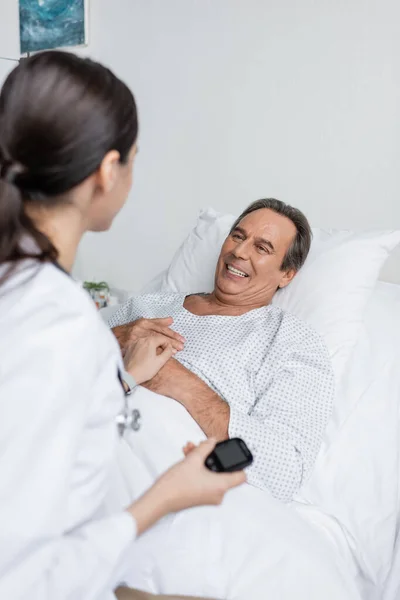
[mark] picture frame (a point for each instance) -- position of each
(50, 24)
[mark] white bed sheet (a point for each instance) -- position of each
(252, 547)
(356, 478)
(345, 523)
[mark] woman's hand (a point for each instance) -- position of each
(188, 448)
(145, 357)
(188, 483)
(142, 328)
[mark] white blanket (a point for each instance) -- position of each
(250, 548)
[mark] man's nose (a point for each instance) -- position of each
(242, 250)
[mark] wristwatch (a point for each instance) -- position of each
(129, 382)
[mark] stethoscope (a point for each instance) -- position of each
(128, 418)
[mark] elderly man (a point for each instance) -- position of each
(243, 367)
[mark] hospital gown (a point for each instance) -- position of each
(271, 368)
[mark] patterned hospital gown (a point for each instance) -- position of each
(271, 368)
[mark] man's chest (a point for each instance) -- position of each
(225, 354)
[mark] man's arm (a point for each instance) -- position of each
(284, 428)
(202, 403)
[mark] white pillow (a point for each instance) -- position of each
(330, 292)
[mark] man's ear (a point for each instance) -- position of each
(287, 277)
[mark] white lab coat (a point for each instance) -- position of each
(59, 395)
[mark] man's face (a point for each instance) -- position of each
(249, 266)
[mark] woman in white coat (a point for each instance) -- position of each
(68, 130)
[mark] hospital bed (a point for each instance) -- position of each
(350, 505)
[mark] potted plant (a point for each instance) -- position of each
(99, 291)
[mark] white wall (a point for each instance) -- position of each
(9, 36)
(241, 99)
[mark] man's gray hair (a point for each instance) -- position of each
(298, 251)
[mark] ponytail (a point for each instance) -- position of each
(18, 230)
(10, 215)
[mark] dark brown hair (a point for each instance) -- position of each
(59, 116)
(298, 251)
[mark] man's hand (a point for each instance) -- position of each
(208, 409)
(131, 332)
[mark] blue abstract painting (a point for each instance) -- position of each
(47, 24)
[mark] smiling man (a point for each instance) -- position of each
(243, 367)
